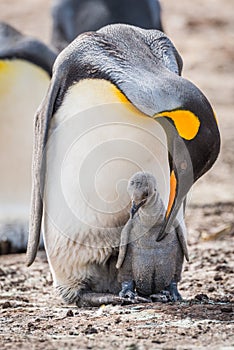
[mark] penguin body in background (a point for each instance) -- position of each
(25, 70)
(116, 105)
(73, 17)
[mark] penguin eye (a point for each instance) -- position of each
(132, 183)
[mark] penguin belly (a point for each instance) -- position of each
(22, 87)
(168, 260)
(143, 269)
(154, 264)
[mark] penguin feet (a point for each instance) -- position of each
(173, 290)
(128, 293)
(128, 290)
(171, 294)
(91, 299)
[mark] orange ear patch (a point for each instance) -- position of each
(173, 184)
(187, 123)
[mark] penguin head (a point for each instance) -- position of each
(16, 45)
(141, 189)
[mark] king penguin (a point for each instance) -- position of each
(117, 104)
(73, 17)
(25, 70)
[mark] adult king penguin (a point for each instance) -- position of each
(25, 70)
(73, 17)
(116, 105)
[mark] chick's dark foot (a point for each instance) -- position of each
(173, 290)
(128, 290)
(128, 293)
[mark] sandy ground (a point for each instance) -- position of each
(32, 316)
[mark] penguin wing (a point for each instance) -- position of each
(124, 240)
(41, 127)
(181, 234)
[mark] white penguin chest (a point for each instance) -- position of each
(97, 142)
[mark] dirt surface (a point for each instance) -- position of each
(31, 316)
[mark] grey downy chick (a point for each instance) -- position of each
(144, 264)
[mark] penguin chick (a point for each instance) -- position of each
(143, 263)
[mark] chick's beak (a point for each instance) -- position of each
(135, 207)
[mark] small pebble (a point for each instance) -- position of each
(226, 309)
(90, 330)
(2, 272)
(157, 342)
(118, 320)
(201, 297)
(6, 305)
(218, 278)
(30, 325)
(70, 313)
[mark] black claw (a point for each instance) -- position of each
(129, 294)
(173, 290)
(128, 290)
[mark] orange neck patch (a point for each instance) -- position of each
(173, 184)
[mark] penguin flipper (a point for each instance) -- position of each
(124, 240)
(41, 126)
(181, 237)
